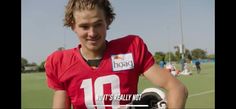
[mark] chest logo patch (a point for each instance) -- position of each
(122, 62)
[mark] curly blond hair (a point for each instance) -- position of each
(73, 5)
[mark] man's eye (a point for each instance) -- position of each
(98, 25)
(85, 27)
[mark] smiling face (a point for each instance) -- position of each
(90, 27)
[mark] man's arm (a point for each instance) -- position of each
(61, 100)
(176, 91)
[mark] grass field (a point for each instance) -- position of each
(35, 93)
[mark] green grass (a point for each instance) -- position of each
(34, 91)
(36, 94)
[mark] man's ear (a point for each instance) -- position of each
(73, 27)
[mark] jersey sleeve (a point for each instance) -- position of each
(145, 58)
(52, 69)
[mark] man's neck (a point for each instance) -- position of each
(92, 55)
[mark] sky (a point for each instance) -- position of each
(157, 22)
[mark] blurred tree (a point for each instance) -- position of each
(170, 56)
(41, 67)
(211, 56)
(24, 62)
(188, 54)
(198, 53)
(177, 53)
(158, 56)
(61, 48)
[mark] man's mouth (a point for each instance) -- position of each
(93, 41)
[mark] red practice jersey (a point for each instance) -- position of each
(117, 74)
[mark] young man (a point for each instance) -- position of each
(162, 63)
(197, 64)
(81, 76)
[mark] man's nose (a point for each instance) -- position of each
(92, 32)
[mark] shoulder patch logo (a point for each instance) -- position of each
(122, 62)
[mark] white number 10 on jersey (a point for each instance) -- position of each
(98, 90)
